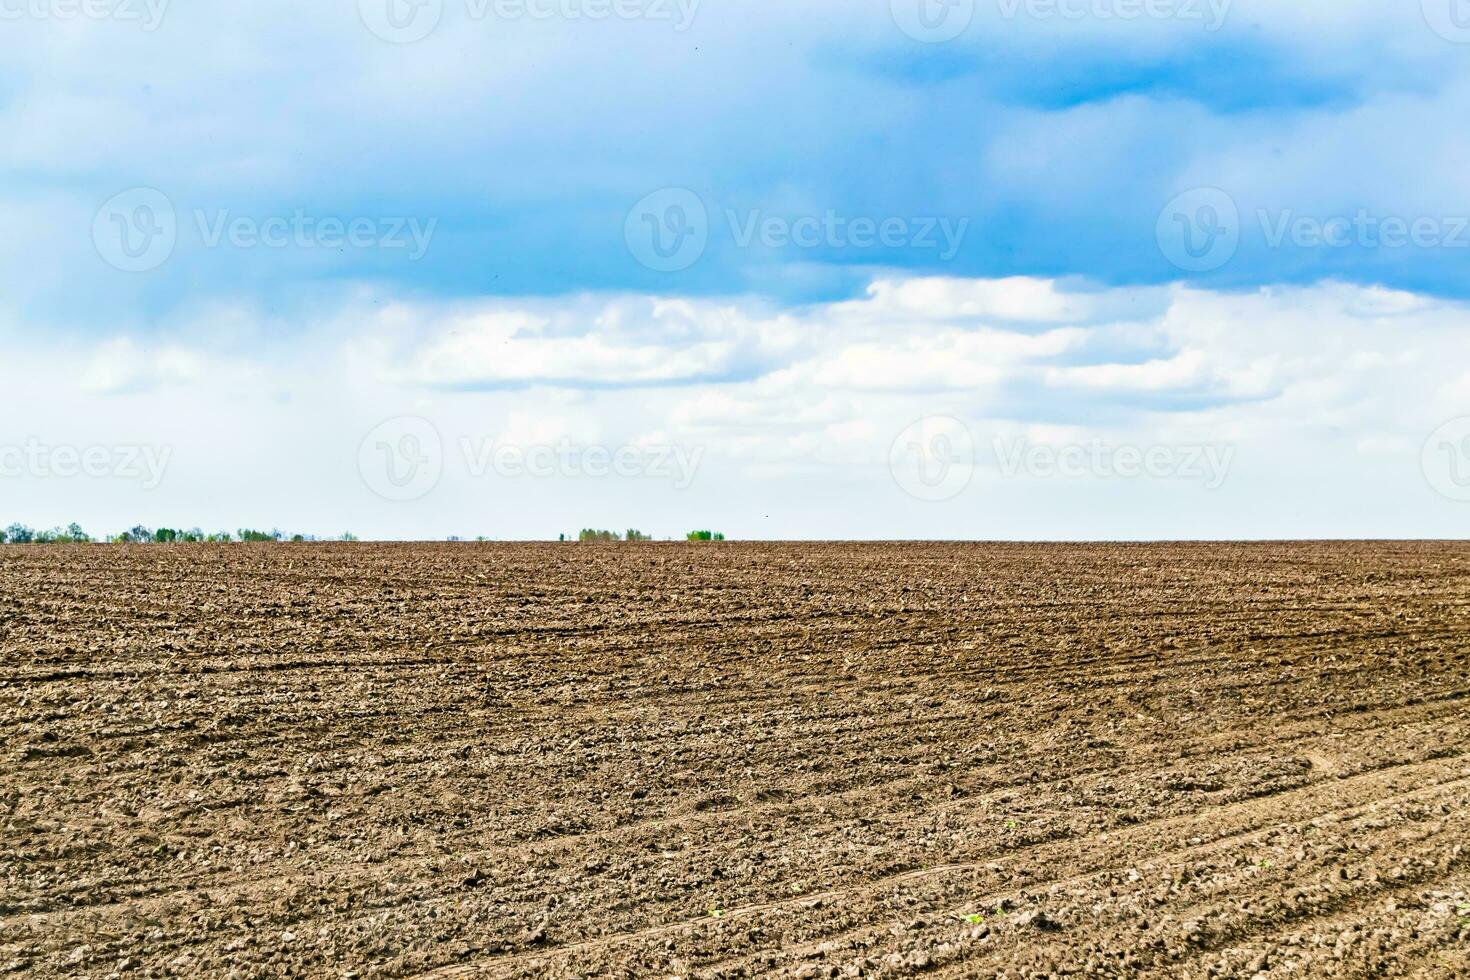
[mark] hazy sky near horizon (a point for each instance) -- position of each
(885, 269)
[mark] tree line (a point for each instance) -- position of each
(141, 534)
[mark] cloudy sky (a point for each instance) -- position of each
(876, 269)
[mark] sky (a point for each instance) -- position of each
(981, 269)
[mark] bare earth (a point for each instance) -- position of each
(735, 760)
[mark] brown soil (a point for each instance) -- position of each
(735, 760)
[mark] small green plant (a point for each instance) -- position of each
(704, 536)
(974, 918)
(1011, 825)
(717, 913)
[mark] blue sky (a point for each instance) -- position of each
(772, 236)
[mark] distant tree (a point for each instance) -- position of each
(705, 536)
(590, 534)
(636, 535)
(139, 533)
(165, 535)
(20, 534)
(220, 537)
(76, 534)
(298, 538)
(348, 536)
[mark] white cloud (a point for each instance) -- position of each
(123, 365)
(1311, 393)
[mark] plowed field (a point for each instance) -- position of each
(735, 760)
